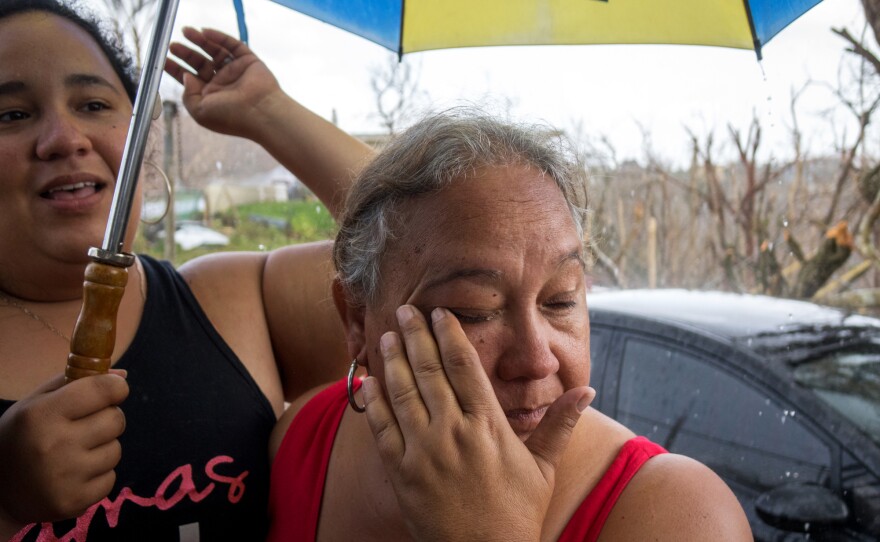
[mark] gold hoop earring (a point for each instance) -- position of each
(350, 387)
(168, 192)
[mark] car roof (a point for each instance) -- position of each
(723, 313)
(735, 317)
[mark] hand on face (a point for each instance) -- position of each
(222, 83)
(58, 448)
(458, 469)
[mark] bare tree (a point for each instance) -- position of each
(131, 23)
(872, 15)
(735, 215)
(396, 88)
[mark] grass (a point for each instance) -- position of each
(277, 224)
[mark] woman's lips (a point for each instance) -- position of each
(525, 420)
(71, 191)
(74, 193)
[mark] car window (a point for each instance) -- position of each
(598, 354)
(849, 382)
(686, 403)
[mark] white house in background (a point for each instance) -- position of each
(274, 185)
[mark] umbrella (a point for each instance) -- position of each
(421, 25)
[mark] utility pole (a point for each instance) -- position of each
(169, 109)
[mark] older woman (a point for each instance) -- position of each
(476, 226)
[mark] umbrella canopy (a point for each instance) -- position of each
(406, 26)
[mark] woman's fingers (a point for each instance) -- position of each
(97, 488)
(382, 423)
(101, 460)
(218, 45)
(549, 440)
(403, 392)
(175, 70)
(462, 366)
(203, 67)
(424, 358)
(224, 43)
(220, 49)
(86, 396)
(198, 37)
(101, 427)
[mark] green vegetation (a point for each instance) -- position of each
(309, 220)
(255, 227)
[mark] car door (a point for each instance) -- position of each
(685, 397)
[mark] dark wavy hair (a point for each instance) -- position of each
(119, 58)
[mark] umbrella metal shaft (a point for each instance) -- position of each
(111, 252)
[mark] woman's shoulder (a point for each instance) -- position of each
(670, 497)
(597, 439)
(211, 270)
(290, 413)
(283, 264)
(228, 286)
(673, 497)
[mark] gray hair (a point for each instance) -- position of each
(428, 157)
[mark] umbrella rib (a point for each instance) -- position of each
(242, 25)
(400, 37)
(755, 41)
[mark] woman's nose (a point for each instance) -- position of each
(61, 136)
(528, 354)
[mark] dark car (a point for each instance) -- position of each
(781, 398)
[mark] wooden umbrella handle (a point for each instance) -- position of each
(95, 333)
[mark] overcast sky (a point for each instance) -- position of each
(607, 90)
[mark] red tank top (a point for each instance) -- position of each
(300, 467)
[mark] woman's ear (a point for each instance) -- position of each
(352, 322)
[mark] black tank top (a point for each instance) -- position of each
(194, 463)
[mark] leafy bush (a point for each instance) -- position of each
(308, 221)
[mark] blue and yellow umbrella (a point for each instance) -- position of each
(422, 25)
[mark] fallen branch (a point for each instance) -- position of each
(832, 253)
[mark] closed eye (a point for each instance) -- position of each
(473, 317)
(560, 306)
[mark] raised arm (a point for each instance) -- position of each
(228, 89)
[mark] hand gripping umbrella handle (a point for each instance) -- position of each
(94, 336)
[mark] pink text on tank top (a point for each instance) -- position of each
(160, 500)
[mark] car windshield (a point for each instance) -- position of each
(849, 382)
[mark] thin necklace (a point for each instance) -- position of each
(10, 302)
